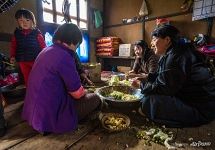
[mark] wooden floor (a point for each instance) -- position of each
(90, 135)
(21, 136)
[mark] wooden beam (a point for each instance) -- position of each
(78, 12)
(143, 30)
(39, 14)
(148, 19)
(210, 26)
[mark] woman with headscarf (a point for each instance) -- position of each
(182, 92)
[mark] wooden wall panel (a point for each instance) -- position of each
(92, 51)
(163, 7)
(116, 10)
(94, 32)
(213, 32)
(186, 27)
(4, 48)
(9, 23)
(149, 27)
(94, 4)
(128, 33)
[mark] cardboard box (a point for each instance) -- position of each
(126, 50)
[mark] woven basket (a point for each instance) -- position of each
(104, 116)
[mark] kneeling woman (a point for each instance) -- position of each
(55, 100)
(182, 92)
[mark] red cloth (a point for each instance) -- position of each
(9, 79)
(26, 69)
(41, 42)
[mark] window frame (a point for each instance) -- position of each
(55, 14)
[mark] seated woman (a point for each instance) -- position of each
(55, 99)
(145, 62)
(182, 92)
(82, 73)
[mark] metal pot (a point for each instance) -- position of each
(102, 92)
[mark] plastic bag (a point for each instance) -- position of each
(143, 10)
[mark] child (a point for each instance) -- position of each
(26, 43)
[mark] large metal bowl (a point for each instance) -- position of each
(106, 90)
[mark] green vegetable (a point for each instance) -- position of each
(122, 96)
(114, 80)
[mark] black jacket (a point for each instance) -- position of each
(182, 73)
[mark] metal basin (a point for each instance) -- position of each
(104, 91)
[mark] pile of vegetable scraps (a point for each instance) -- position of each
(156, 135)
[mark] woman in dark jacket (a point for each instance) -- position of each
(145, 62)
(182, 92)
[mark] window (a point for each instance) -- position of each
(52, 12)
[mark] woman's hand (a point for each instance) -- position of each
(135, 83)
(139, 76)
(131, 71)
(89, 82)
(86, 79)
(138, 79)
(142, 77)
